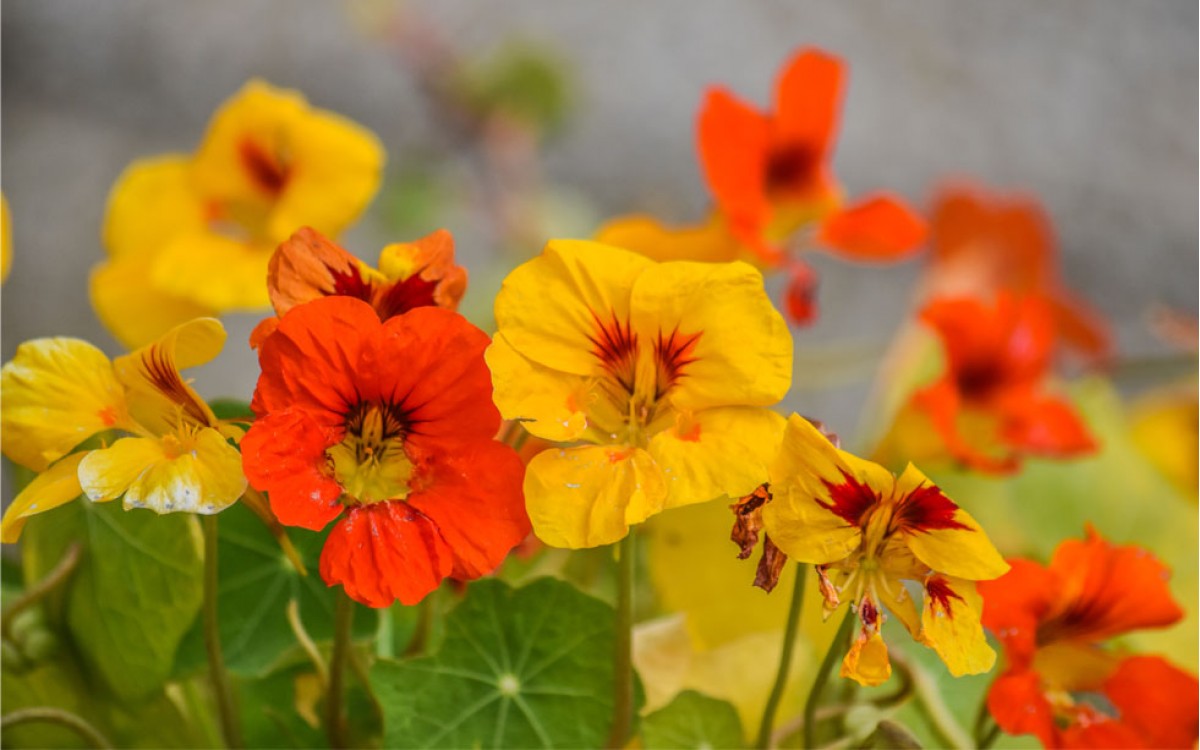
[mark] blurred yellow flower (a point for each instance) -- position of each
(662, 367)
(191, 235)
(869, 532)
(1164, 429)
(5, 238)
(59, 392)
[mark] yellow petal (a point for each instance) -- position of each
(57, 393)
(152, 202)
(5, 238)
(133, 310)
(56, 486)
(158, 395)
(214, 271)
(550, 404)
(590, 496)
(723, 451)
(710, 241)
(867, 661)
(796, 520)
(547, 307)
(960, 552)
(950, 625)
(743, 355)
(894, 596)
(193, 472)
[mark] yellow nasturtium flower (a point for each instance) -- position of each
(871, 535)
(662, 369)
(5, 238)
(191, 235)
(174, 456)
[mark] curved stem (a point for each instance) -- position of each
(35, 593)
(934, 708)
(785, 659)
(420, 637)
(814, 695)
(343, 618)
(990, 739)
(230, 727)
(623, 656)
(56, 716)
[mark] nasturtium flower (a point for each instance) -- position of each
(389, 425)
(172, 453)
(771, 179)
(661, 369)
(990, 406)
(872, 535)
(982, 243)
(191, 235)
(1165, 427)
(1060, 682)
(307, 266)
(5, 238)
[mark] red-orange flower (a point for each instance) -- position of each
(984, 243)
(1060, 683)
(990, 406)
(308, 266)
(388, 424)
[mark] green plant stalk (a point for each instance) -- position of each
(38, 591)
(420, 637)
(622, 722)
(335, 720)
(60, 717)
(785, 659)
(937, 715)
(231, 728)
(822, 678)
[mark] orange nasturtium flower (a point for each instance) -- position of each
(1060, 683)
(868, 532)
(662, 368)
(985, 243)
(410, 274)
(389, 425)
(989, 406)
(59, 392)
(770, 176)
(190, 235)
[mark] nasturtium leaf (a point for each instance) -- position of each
(136, 591)
(256, 582)
(529, 667)
(693, 720)
(232, 408)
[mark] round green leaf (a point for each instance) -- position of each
(693, 720)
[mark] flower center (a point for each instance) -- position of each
(370, 463)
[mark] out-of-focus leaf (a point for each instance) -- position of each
(693, 720)
(136, 591)
(231, 408)
(256, 583)
(529, 667)
(522, 80)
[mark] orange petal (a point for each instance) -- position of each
(877, 229)
(1081, 326)
(386, 552)
(808, 99)
(733, 142)
(1047, 427)
(1018, 704)
(801, 294)
(1014, 604)
(306, 266)
(1157, 700)
(284, 454)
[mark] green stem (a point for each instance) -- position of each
(56, 716)
(814, 695)
(931, 705)
(420, 637)
(785, 659)
(622, 722)
(990, 738)
(35, 593)
(230, 727)
(343, 618)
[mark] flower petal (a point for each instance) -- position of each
(158, 394)
(709, 241)
(56, 486)
(1157, 700)
(733, 139)
(152, 202)
(950, 625)
(215, 271)
(808, 100)
(58, 392)
(386, 552)
(867, 661)
(723, 451)
(283, 454)
(307, 265)
(590, 496)
(1014, 605)
(1019, 705)
(743, 353)
(879, 228)
(135, 311)
(549, 404)
(1047, 426)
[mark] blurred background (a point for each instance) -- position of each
(1090, 106)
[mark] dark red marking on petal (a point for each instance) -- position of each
(792, 167)
(616, 347)
(939, 592)
(849, 500)
(673, 354)
(405, 295)
(350, 283)
(926, 509)
(161, 372)
(868, 613)
(265, 169)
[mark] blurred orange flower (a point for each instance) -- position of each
(414, 274)
(1052, 622)
(982, 243)
(389, 425)
(770, 175)
(989, 406)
